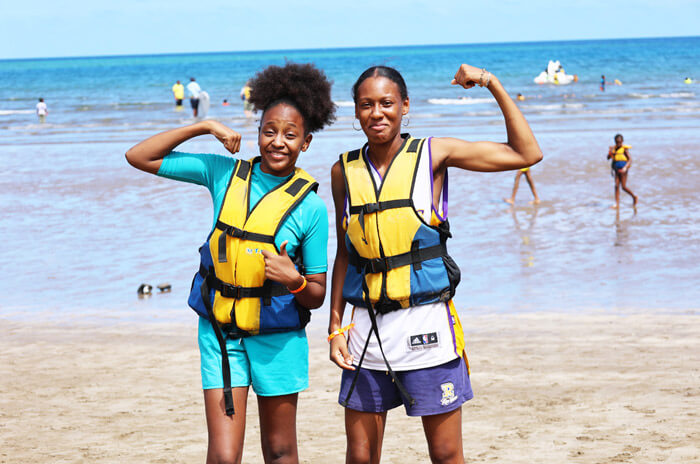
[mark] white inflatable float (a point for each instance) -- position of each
(555, 75)
(203, 107)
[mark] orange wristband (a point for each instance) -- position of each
(301, 287)
(340, 331)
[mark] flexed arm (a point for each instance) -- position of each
(148, 154)
(521, 150)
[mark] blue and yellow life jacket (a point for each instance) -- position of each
(231, 284)
(396, 259)
(619, 153)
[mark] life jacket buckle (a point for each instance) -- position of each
(371, 208)
(235, 232)
(376, 265)
(230, 291)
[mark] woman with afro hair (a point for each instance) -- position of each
(263, 265)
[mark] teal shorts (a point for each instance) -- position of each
(274, 364)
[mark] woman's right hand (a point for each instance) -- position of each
(230, 139)
(339, 353)
(468, 76)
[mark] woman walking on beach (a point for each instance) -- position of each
(391, 213)
(621, 161)
(263, 265)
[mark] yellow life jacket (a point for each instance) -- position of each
(232, 268)
(396, 259)
(620, 153)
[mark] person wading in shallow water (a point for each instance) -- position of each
(621, 161)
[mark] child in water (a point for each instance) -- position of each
(621, 162)
(530, 182)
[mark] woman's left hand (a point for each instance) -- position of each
(468, 76)
(280, 268)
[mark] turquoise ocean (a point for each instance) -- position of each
(81, 230)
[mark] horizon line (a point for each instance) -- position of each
(296, 50)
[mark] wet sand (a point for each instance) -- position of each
(550, 388)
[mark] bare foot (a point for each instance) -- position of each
(614, 206)
(536, 201)
(509, 200)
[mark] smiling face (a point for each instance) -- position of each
(379, 108)
(281, 138)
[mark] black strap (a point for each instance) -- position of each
(225, 367)
(268, 290)
(238, 233)
(416, 256)
(376, 207)
(243, 169)
(354, 155)
(413, 146)
(375, 329)
(296, 186)
(381, 206)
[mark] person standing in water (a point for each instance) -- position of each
(179, 94)
(530, 182)
(621, 161)
(265, 257)
(42, 110)
(194, 90)
(245, 96)
(392, 265)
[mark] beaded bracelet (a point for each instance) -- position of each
(301, 287)
(340, 331)
(481, 78)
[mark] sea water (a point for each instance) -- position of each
(81, 229)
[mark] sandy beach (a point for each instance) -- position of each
(550, 388)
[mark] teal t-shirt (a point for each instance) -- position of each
(306, 227)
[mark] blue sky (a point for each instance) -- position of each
(49, 28)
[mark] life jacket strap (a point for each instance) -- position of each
(381, 206)
(235, 232)
(374, 328)
(415, 257)
(225, 367)
(268, 290)
(368, 208)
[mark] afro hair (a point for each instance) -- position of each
(302, 85)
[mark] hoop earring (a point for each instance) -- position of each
(353, 125)
(405, 121)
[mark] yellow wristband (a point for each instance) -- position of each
(340, 331)
(301, 287)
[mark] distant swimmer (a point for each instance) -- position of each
(179, 94)
(602, 83)
(688, 80)
(194, 90)
(248, 109)
(621, 162)
(225, 103)
(530, 182)
(41, 110)
(521, 97)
